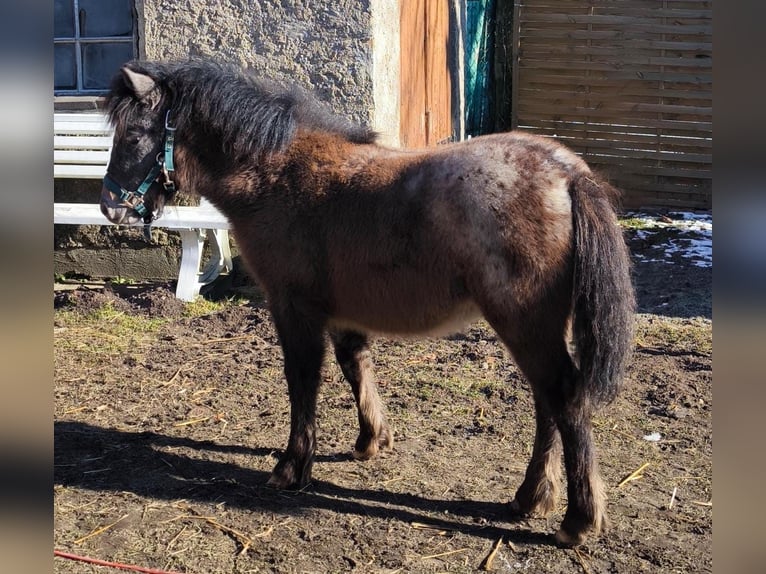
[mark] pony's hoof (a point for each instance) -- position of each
(367, 453)
(514, 507)
(279, 482)
(284, 477)
(574, 531)
(564, 538)
(365, 450)
(539, 509)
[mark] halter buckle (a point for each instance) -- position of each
(168, 127)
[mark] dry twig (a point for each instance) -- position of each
(191, 422)
(673, 497)
(635, 475)
(100, 530)
(443, 554)
(486, 564)
(421, 526)
(582, 561)
(244, 540)
(174, 377)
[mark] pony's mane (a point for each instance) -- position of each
(251, 115)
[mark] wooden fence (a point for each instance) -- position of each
(626, 83)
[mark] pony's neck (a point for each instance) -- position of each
(313, 163)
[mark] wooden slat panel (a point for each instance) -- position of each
(639, 108)
(599, 138)
(636, 119)
(619, 6)
(632, 144)
(609, 91)
(628, 22)
(642, 71)
(627, 84)
(623, 127)
(612, 35)
(626, 42)
(597, 3)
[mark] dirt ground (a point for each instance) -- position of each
(170, 416)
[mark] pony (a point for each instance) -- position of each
(351, 238)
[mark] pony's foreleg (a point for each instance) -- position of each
(303, 348)
(353, 356)
(539, 492)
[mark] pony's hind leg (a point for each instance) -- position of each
(557, 386)
(302, 343)
(586, 497)
(353, 356)
(539, 492)
(562, 410)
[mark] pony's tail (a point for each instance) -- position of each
(604, 302)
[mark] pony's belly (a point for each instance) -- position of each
(428, 321)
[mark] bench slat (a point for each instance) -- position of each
(82, 142)
(77, 128)
(79, 117)
(174, 217)
(65, 170)
(81, 157)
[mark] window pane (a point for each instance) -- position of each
(63, 19)
(65, 68)
(102, 61)
(106, 18)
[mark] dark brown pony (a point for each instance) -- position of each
(349, 237)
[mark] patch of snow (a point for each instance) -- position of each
(695, 240)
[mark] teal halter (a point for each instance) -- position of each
(164, 166)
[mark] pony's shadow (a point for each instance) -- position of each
(144, 463)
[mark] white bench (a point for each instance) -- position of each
(81, 147)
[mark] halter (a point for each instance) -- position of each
(164, 166)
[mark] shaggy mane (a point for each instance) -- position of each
(251, 115)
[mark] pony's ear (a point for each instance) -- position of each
(141, 84)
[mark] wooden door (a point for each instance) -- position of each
(425, 89)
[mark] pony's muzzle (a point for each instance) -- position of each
(117, 211)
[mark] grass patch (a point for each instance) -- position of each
(200, 306)
(693, 335)
(103, 331)
(635, 223)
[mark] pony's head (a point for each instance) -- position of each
(138, 180)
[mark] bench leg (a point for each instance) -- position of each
(192, 243)
(220, 255)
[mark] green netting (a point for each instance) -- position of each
(479, 41)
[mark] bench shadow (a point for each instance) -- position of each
(102, 459)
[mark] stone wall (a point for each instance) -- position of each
(324, 45)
